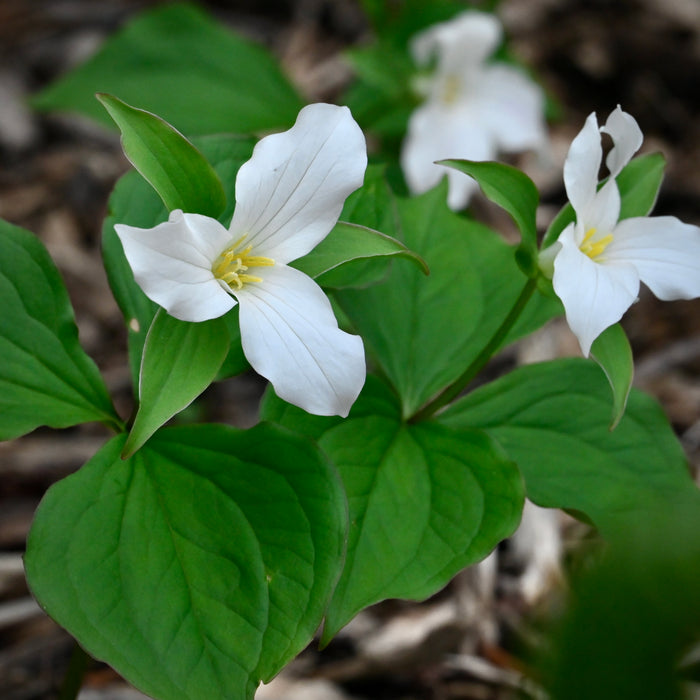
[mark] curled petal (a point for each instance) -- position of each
(627, 138)
(172, 264)
(665, 252)
(436, 133)
(582, 165)
(464, 41)
(594, 296)
(512, 108)
(289, 195)
(602, 212)
(291, 337)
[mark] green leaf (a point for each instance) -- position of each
(134, 202)
(612, 351)
(425, 501)
(167, 160)
(553, 420)
(176, 61)
(638, 182)
(45, 376)
(381, 97)
(350, 242)
(515, 192)
(424, 331)
(180, 360)
(200, 565)
(633, 617)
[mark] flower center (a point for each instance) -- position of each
(232, 265)
(450, 89)
(594, 248)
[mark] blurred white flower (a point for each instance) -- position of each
(473, 110)
(598, 260)
(289, 196)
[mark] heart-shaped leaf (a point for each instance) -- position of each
(553, 420)
(425, 501)
(200, 565)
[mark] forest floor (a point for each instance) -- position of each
(56, 175)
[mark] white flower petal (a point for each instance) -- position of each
(172, 264)
(289, 195)
(291, 337)
(436, 133)
(627, 138)
(665, 252)
(462, 42)
(511, 107)
(602, 212)
(594, 295)
(582, 165)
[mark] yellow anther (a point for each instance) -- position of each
(594, 249)
(232, 265)
(451, 89)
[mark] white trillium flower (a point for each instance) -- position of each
(289, 196)
(599, 260)
(473, 110)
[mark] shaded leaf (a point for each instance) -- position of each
(45, 376)
(424, 331)
(176, 61)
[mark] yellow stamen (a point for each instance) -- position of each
(451, 89)
(232, 265)
(594, 249)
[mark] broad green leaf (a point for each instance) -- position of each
(516, 193)
(424, 331)
(45, 376)
(177, 62)
(350, 242)
(198, 566)
(612, 351)
(175, 169)
(135, 203)
(180, 360)
(425, 501)
(639, 184)
(553, 420)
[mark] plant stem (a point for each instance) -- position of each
(73, 679)
(455, 389)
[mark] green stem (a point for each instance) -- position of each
(455, 389)
(73, 679)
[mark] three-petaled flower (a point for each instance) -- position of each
(472, 110)
(599, 260)
(289, 196)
